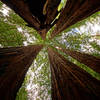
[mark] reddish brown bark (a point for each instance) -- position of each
(74, 12)
(70, 82)
(89, 60)
(14, 63)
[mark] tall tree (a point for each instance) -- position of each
(14, 63)
(71, 82)
(67, 78)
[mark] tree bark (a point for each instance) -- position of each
(74, 12)
(89, 60)
(70, 82)
(14, 63)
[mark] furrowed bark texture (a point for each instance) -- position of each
(89, 60)
(75, 11)
(14, 63)
(70, 82)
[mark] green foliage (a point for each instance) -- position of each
(62, 4)
(40, 76)
(9, 35)
(0, 4)
(84, 67)
(95, 45)
(15, 19)
(80, 23)
(22, 94)
(74, 39)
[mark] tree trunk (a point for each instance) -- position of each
(70, 82)
(74, 12)
(14, 63)
(89, 60)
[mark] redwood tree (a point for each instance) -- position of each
(68, 80)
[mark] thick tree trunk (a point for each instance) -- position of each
(89, 60)
(74, 12)
(70, 82)
(14, 63)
